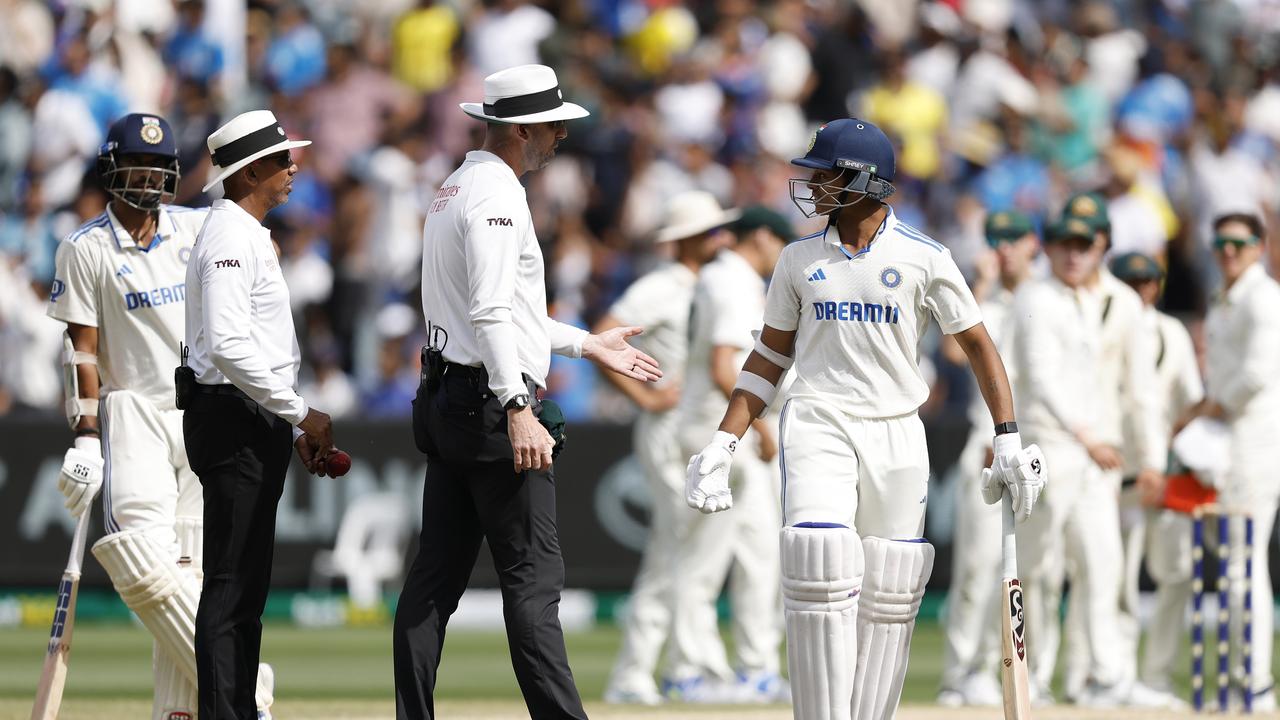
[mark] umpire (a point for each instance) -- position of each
(477, 415)
(242, 412)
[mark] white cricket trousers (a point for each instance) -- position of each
(870, 475)
(972, 628)
(1076, 518)
(742, 544)
(147, 481)
(649, 617)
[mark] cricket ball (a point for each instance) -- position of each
(337, 464)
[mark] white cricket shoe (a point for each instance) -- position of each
(701, 690)
(982, 690)
(761, 686)
(1145, 696)
(1096, 695)
(633, 695)
(268, 677)
(950, 698)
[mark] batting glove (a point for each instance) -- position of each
(1019, 471)
(706, 482)
(81, 474)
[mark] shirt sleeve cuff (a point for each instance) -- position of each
(297, 433)
(297, 411)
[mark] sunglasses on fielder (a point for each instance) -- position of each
(1221, 241)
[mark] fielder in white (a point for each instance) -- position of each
(728, 308)
(1161, 538)
(1242, 339)
(1125, 407)
(847, 307)
(660, 302)
(120, 286)
(972, 627)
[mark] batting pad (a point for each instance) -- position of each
(821, 575)
(175, 696)
(150, 583)
(896, 573)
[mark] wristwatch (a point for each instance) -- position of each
(1005, 428)
(519, 402)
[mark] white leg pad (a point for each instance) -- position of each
(821, 579)
(896, 573)
(150, 583)
(176, 697)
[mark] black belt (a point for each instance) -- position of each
(230, 390)
(478, 377)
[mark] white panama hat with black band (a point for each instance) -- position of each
(523, 95)
(245, 138)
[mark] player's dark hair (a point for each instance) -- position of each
(1252, 221)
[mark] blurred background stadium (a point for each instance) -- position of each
(994, 104)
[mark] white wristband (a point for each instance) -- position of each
(756, 385)
(772, 355)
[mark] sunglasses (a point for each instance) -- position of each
(1221, 241)
(283, 159)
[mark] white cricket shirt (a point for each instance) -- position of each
(1128, 404)
(239, 325)
(1242, 338)
(859, 318)
(728, 305)
(134, 296)
(482, 278)
(1177, 379)
(660, 302)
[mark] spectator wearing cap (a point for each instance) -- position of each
(972, 646)
(1154, 536)
(660, 302)
(1242, 369)
(245, 360)
(478, 414)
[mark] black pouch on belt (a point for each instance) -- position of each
(552, 418)
(428, 386)
(184, 381)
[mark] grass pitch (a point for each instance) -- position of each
(346, 673)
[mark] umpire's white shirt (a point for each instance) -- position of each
(239, 325)
(134, 296)
(1242, 337)
(482, 278)
(859, 318)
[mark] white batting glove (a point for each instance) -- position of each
(1018, 470)
(81, 475)
(706, 481)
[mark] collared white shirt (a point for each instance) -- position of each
(1129, 403)
(1177, 379)
(482, 278)
(660, 302)
(859, 318)
(134, 296)
(1057, 349)
(239, 325)
(1242, 339)
(728, 306)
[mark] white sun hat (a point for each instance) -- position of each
(693, 213)
(523, 95)
(245, 138)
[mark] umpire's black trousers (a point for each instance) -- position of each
(471, 494)
(240, 452)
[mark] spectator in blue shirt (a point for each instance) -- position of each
(296, 56)
(191, 51)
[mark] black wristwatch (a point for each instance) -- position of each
(1006, 428)
(519, 402)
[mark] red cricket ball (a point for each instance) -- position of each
(337, 464)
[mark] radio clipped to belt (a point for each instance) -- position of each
(429, 384)
(184, 380)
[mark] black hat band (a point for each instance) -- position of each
(525, 104)
(241, 148)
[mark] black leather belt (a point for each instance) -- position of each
(230, 390)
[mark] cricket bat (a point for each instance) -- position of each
(1013, 639)
(54, 676)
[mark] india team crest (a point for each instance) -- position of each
(814, 140)
(151, 131)
(890, 277)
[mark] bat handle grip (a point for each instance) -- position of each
(1008, 543)
(77, 542)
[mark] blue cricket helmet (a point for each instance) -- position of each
(141, 185)
(855, 146)
(852, 144)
